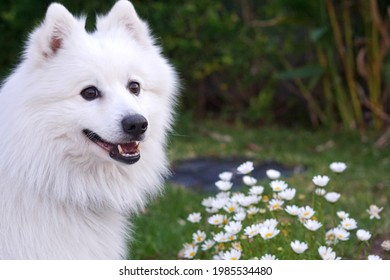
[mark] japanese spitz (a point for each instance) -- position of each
(84, 120)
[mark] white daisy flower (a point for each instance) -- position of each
(374, 212)
(194, 217)
(233, 254)
(233, 227)
(321, 181)
(341, 234)
(272, 174)
(292, 210)
(338, 167)
(332, 197)
(207, 202)
(269, 223)
(225, 176)
(386, 245)
(320, 191)
(312, 225)
(239, 216)
(278, 185)
(190, 251)
(245, 168)
(237, 246)
(256, 190)
(252, 210)
(374, 258)
(219, 203)
(268, 232)
(342, 215)
(207, 245)
(330, 237)
(306, 212)
(287, 194)
(268, 257)
(298, 247)
(275, 204)
(363, 235)
(222, 237)
(230, 207)
(327, 253)
(249, 181)
(246, 201)
(252, 230)
(199, 236)
(224, 185)
(349, 224)
(216, 219)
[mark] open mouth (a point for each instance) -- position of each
(124, 152)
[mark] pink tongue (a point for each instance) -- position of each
(129, 148)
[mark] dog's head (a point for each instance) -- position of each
(110, 92)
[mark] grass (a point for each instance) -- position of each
(162, 229)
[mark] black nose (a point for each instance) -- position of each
(135, 125)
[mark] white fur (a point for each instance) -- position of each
(62, 196)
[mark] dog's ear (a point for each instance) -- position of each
(57, 26)
(123, 15)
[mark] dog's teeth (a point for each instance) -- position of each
(120, 149)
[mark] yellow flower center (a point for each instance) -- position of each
(269, 235)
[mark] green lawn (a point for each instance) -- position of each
(162, 229)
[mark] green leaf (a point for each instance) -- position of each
(307, 71)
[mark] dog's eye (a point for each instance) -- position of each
(134, 88)
(90, 93)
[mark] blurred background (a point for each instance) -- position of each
(300, 82)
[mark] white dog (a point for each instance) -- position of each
(84, 119)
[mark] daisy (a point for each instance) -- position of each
(306, 212)
(225, 176)
(268, 232)
(330, 237)
(252, 230)
(245, 168)
(269, 223)
(199, 236)
(256, 190)
(233, 227)
(327, 253)
(363, 235)
(278, 185)
(320, 191)
(268, 257)
(206, 202)
(190, 251)
(332, 197)
(341, 234)
(208, 244)
(219, 202)
(338, 167)
(230, 207)
(240, 216)
(292, 210)
(349, 224)
(386, 245)
(216, 219)
(245, 201)
(272, 174)
(252, 210)
(342, 215)
(312, 225)
(194, 217)
(374, 258)
(321, 181)
(275, 204)
(374, 212)
(224, 185)
(298, 247)
(249, 181)
(222, 237)
(287, 194)
(233, 254)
